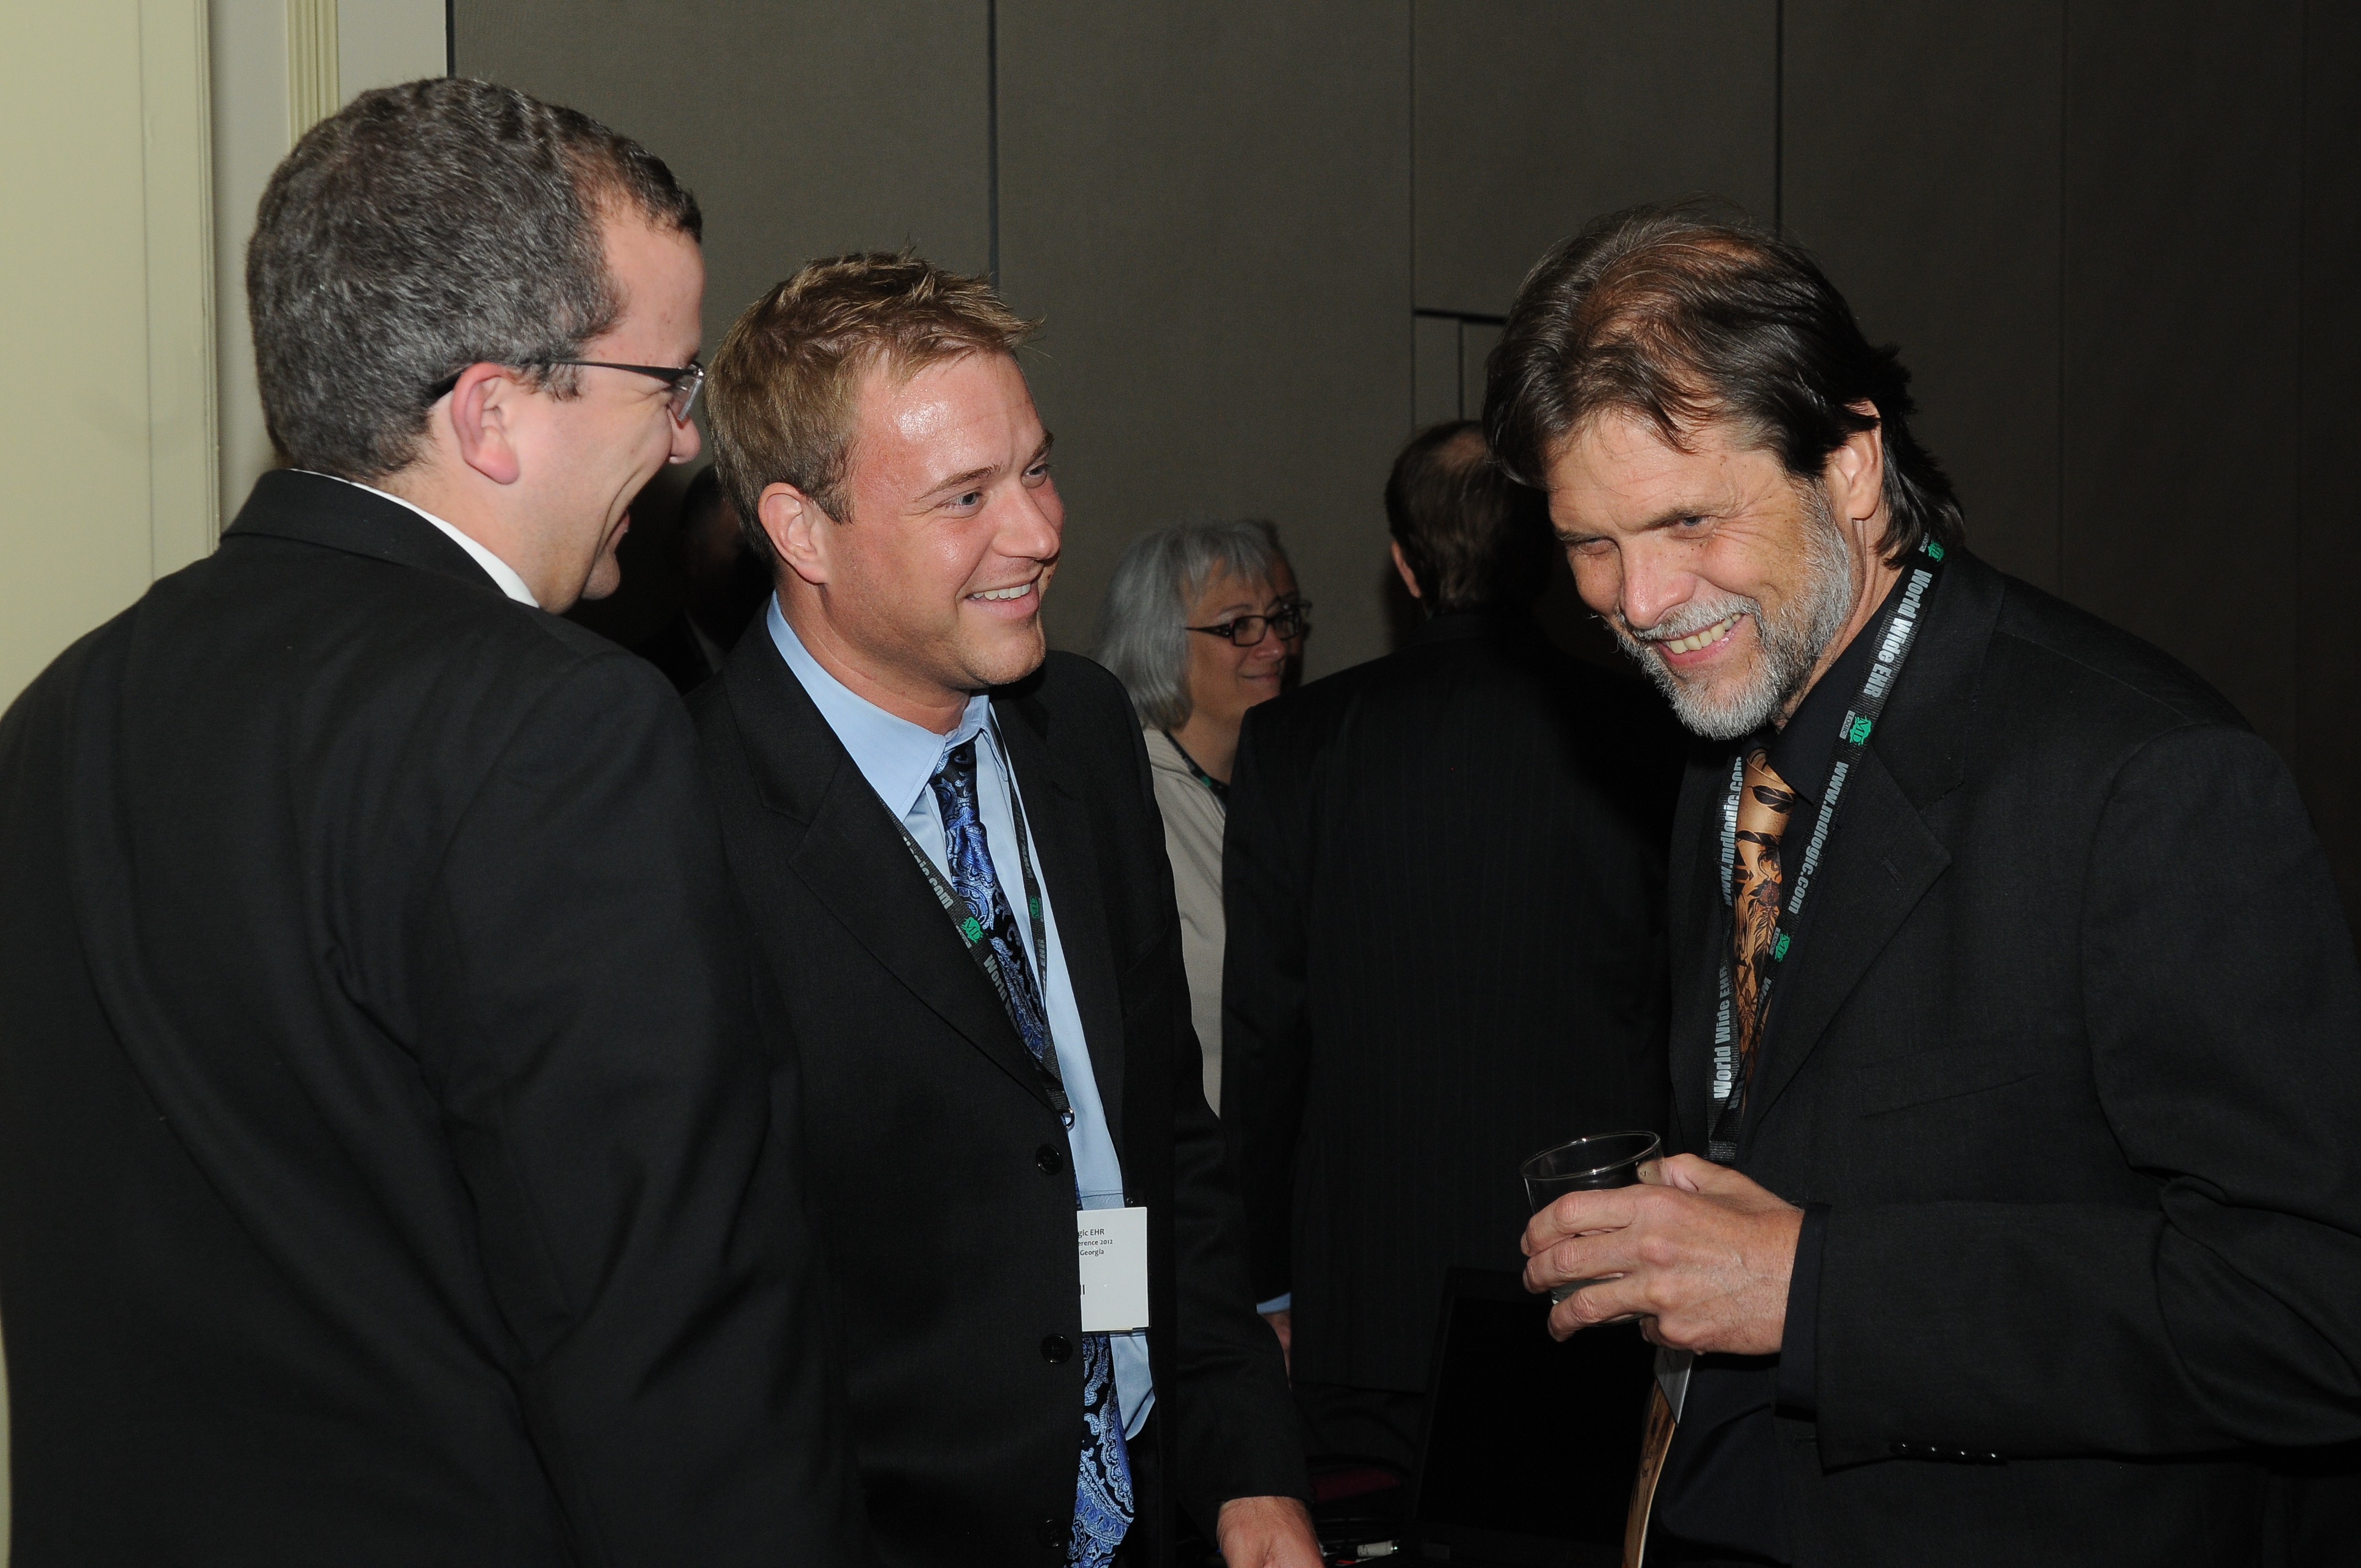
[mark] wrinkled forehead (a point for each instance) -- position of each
(1620, 469)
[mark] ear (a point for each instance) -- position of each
(482, 409)
(793, 524)
(1855, 473)
(1409, 578)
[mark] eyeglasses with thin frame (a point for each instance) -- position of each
(686, 380)
(1291, 621)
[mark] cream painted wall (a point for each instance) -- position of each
(106, 312)
(145, 130)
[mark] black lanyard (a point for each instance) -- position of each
(1892, 635)
(1214, 787)
(972, 933)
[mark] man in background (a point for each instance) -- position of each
(950, 848)
(1444, 884)
(2019, 1219)
(722, 586)
(391, 1171)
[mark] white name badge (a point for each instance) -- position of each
(1112, 1247)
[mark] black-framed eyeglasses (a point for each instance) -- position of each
(1291, 622)
(686, 380)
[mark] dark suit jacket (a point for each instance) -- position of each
(941, 1184)
(2068, 1049)
(390, 1169)
(1443, 875)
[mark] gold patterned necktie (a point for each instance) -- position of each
(1764, 803)
(1756, 887)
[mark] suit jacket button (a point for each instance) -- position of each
(1050, 1159)
(1056, 1349)
(1052, 1532)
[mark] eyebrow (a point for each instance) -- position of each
(1662, 520)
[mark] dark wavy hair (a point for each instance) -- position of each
(1475, 538)
(1687, 321)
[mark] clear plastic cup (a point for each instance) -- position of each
(1594, 1164)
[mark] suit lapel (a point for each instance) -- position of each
(1056, 811)
(1883, 857)
(1878, 866)
(851, 858)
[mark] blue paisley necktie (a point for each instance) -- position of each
(1103, 1502)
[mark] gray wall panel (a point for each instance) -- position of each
(1437, 373)
(1476, 341)
(1535, 116)
(1923, 154)
(805, 128)
(2183, 129)
(1209, 205)
(2328, 758)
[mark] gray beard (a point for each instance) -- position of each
(1791, 646)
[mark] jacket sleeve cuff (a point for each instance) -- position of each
(1799, 1372)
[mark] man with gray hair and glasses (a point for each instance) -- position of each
(391, 1166)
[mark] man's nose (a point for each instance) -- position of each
(1652, 586)
(686, 441)
(1031, 524)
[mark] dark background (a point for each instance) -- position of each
(2115, 239)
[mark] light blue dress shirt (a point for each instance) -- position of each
(899, 759)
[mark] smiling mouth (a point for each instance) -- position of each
(1705, 639)
(996, 595)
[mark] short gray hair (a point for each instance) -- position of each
(1143, 635)
(425, 228)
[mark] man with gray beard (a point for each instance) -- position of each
(2015, 1215)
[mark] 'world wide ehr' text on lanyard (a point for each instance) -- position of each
(1893, 636)
(979, 945)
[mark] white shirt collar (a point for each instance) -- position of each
(499, 571)
(895, 755)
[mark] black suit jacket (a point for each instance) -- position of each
(390, 1169)
(941, 1184)
(1443, 875)
(2068, 1051)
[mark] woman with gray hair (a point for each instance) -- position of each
(1202, 621)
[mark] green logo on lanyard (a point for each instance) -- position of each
(1859, 730)
(971, 929)
(1779, 948)
(1033, 909)
(1934, 551)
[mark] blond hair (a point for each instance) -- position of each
(783, 384)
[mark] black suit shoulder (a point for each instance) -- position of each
(1080, 708)
(2049, 657)
(349, 900)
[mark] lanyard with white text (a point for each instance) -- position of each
(1893, 636)
(972, 933)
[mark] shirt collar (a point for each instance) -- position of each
(895, 755)
(500, 572)
(1805, 750)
